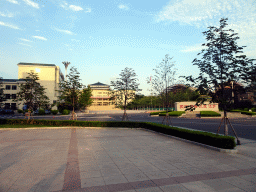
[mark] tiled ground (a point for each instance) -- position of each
(108, 159)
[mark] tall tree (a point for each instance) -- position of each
(125, 88)
(70, 89)
(221, 61)
(163, 78)
(32, 92)
(2, 97)
(85, 98)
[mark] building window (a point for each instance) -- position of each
(8, 87)
(7, 105)
(13, 96)
(13, 106)
(7, 96)
(54, 101)
(14, 87)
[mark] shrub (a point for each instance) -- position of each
(54, 112)
(248, 113)
(41, 112)
(209, 114)
(157, 113)
(65, 112)
(173, 113)
(20, 111)
(253, 109)
(246, 109)
(235, 110)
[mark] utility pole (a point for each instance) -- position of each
(66, 64)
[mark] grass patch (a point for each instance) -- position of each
(225, 142)
(209, 114)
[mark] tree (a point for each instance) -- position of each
(70, 89)
(32, 92)
(124, 88)
(2, 97)
(85, 98)
(163, 78)
(221, 62)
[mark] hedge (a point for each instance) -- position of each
(225, 142)
(209, 114)
(157, 113)
(174, 113)
(248, 113)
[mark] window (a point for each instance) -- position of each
(7, 105)
(7, 96)
(14, 87)
(8, 87)
(100, 93)
(13, 106)
(13, 96)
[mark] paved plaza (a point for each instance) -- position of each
(111, 159)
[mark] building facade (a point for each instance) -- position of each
(49, 77)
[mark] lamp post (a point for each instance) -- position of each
(66, 64)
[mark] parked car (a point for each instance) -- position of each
(47, 111)
(8, 111)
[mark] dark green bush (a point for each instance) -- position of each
(65, 112)
(253, 109)
(235, 110)
(248, 113)
(174, 113)
(246, 109)
(209, 114)
(54, 112)
(41, 112)
(157, 113)
(20, 111)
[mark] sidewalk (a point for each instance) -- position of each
(110, 159)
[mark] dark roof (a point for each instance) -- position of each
(41, 64)
(12, 80)
(99, 84)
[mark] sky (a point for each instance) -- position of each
(102, 38)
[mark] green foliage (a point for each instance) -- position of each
(70, 89)
(2, 96)
(85, 98)
(253, 109)
(32, 92)
(20, 111)
(54, 112)
(209, 114)
(65, 112)
(225, 142)
(235, 110)
(248, 113)
(173, 113)
(246, 109)
(41, 112)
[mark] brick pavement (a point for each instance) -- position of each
(110, 159)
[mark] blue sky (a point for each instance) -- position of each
(101, 38)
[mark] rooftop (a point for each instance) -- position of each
(38, 64)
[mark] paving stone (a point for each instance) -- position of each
(174, 188)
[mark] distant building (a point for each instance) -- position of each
(11, 88)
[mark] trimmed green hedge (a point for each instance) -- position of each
(235, 110)
(174, 113)
(54, 112)
(157, 113)
(225, 142)
(65, 112)
(209, 114)
(248, 113)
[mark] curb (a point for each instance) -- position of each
(232, 151)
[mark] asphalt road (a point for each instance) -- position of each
(245, 127)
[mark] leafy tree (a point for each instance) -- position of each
(124, 88)
(2, 97)
(32, 92)
(163, 78)
(70, 89)
(220, 62)
(85, 98)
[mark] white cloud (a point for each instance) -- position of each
(65, 31)
(194, 48)
(123, 7)
(9, 25)
(41, 38)
(25, 40)
(88, 10)
(25, 44)
(32, 4)
(75, 8)
(6, 14)
(13, 1)
(241, 16)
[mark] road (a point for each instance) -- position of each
(245, 127)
